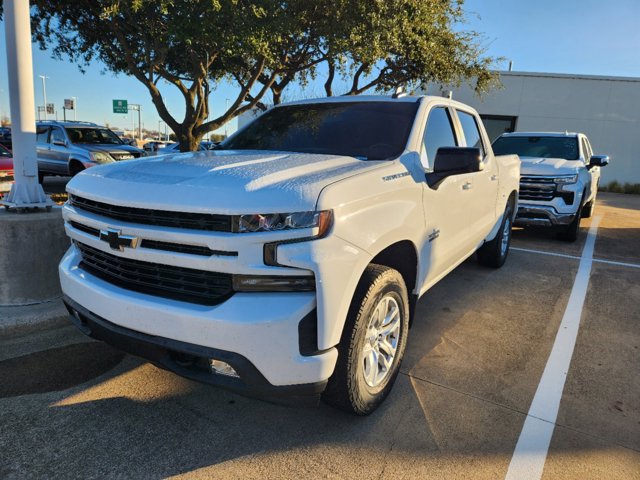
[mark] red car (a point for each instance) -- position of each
(6, 170)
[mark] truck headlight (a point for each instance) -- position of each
(100, 157)
(269, 222)
(566, 179)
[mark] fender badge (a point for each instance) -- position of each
(395, 176)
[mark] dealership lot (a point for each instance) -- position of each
(477, 350)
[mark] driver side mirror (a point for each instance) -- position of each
(454, 161)
(60, 143)
(598, 161)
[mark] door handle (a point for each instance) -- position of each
(494, 177)
(467, 186)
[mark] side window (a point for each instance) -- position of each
(438, 133)
(42, 135)
(57, 135)
(586, 150)
(471, 131)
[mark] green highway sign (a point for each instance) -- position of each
(120, 106)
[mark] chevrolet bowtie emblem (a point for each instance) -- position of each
(117, 241)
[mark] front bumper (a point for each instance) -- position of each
(263, 328)
(542, 216)
(189, 360)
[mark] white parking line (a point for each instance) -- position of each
(573, 257)
(531, 450)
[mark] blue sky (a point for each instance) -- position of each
(560, 36)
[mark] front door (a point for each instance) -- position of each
(448, 217)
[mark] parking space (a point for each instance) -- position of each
(476, 354)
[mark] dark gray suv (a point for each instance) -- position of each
(67, 148)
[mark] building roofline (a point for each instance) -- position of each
(514, 73)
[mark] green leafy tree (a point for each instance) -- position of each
(262, 46)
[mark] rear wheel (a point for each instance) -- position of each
(40, 177)
(494, 253)
(372, 343)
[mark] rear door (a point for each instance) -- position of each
(59, 151)
(482, 193)
(42, 149)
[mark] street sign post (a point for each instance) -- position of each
(120, 106)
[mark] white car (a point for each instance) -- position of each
(559, 182)
(288, 265)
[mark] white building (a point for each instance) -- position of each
(606, 109)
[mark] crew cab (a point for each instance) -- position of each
(287, 263)
(67, 148)
(559, 182)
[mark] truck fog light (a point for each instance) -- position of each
(222, 368)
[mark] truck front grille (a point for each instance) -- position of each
(542, 189)
(146, 216)
(176, 283)
(537, 188)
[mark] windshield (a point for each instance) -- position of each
(93, 135)
(366, 130)
(538, 146)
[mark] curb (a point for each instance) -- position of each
(30, 318)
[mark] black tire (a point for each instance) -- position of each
(494, 253)
(587, 211)
(40, 178)
(348, 389)
(570, 232)
(75, 168)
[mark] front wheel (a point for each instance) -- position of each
(372, 343)
(570, 232)
(494, 253)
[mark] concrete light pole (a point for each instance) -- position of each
(75, 108)
(44, 94)
(26, 192)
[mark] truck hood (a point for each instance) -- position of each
(225, 182)
(549, 166)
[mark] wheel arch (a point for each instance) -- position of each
(403, 257)
(75, 166)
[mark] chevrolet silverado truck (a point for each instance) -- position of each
(287, 263)
(559, 182)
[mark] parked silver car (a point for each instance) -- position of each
(67, 148)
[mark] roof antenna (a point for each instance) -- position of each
(399, 93)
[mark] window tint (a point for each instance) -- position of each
(471, 132)
(534, 146)
(439, 133)
(43, 135)
(56, 135)
(367, 130)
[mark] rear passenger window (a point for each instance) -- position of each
(438, 133)
(42, 135)
(471, 131)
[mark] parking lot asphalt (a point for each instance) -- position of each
(482, 338)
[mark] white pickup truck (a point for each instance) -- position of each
(559, 180)
(287, 263)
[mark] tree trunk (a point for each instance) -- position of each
(188, 141)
